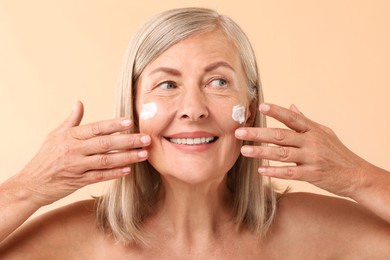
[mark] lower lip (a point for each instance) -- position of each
(192, 148)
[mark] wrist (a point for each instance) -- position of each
(19, 192)
(16, 205)
(371, 180)
(373, 193)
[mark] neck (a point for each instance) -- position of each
(194, 212)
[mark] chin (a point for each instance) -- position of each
(193, 176)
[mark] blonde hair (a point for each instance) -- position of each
(131, 199)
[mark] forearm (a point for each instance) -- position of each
(374, 191)
(16, 206)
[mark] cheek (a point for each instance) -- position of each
(153, 117)
(148, 111)
(239, 114)
(232, 113)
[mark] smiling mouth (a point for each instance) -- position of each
(192, 141)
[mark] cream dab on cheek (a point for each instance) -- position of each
(148, 111)
(238, 113)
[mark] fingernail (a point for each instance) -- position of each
(295, 108)
(126, 170)
(142, 154)
(145, 139)
(246, 150)
(240, 133)
(126, 122)
(262, 170)
(264, 107)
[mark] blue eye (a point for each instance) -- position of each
(167, 85)
(218, 83)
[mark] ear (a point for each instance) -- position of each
(252, 110)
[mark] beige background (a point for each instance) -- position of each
(331, 58)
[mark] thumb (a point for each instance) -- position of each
(74, 119)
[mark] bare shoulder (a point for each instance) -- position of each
(58, 232)
(312, 222)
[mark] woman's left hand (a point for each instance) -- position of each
(319, 157)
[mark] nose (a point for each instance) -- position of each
(193, 105)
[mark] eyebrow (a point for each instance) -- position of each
(167, 70)
(217, 64)
(209, 68)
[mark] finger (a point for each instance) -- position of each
(273, 153)
(101, 128)
(74, 119)
(281, 172)
(114, 160)
(278, 136)
(299, 173)
(107, 143)
(95, 176)
(291, 119)
(77, 114)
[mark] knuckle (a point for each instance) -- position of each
(289, 173)
(314, 140)
(105, 142)
(284, 153)
(320, 161)
(327, 130)
(104, 160)
(99, 176)
(256, 135)
(96, 129)
(132, 141)
(65, 165)
(260, 151)
(293, 117)
(279, 135)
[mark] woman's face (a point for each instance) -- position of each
(185, 100)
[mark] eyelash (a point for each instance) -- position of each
(173, 84)
(226, 82)
(165, 83)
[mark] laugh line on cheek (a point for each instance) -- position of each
(148, 111)
(238, 113)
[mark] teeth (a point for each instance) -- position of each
(192, 141)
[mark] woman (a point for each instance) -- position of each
(197, 184)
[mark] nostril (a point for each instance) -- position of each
(194, 116)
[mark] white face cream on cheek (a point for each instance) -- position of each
(148, 111)
(238, 113)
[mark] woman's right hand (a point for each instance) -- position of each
(74, 156)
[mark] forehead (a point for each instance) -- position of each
(206, 46)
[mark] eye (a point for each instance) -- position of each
(218, 83)
(167, 85)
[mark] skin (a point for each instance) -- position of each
(192, 219)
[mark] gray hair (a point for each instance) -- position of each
(131, 199)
